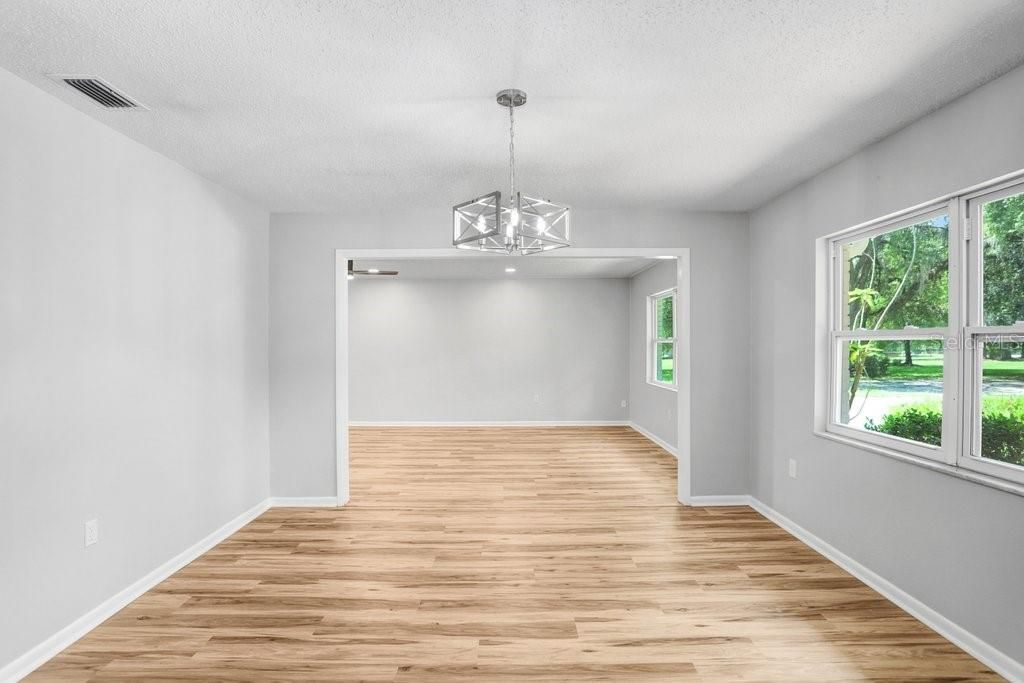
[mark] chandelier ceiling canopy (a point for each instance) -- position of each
(517, 224)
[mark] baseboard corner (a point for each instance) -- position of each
(653, 437)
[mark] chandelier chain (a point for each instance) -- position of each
(512, 152)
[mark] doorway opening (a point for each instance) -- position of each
(459, 338)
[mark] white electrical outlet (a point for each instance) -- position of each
(792, 468)
(92, 532)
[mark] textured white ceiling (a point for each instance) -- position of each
(492, 266)
(316, 106)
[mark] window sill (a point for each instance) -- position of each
(669, 387)
(958, 472)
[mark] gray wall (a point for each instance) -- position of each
(133, 361)
(488, 350)
(302, 261)
(651, 407)
(956, 546)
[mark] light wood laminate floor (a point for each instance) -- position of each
(493, 554)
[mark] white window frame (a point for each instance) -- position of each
(959, 452)
(838, 335)
(976, 332)
(653, 340)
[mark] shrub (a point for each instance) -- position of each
(876, 362)
(876, 365)
(917, 422)
(1002, 426)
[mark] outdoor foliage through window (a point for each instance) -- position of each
(1002, 402)
(880, 385)
(1003, 235)
(899, 278)
(896, 280)
(663, 342)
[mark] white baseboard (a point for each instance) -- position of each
(44, 651)
(506, 423)
(995, 659)
(303, 502)
(650, 435)
(719, 501)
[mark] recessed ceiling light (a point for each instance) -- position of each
(663, 257)
(351, 276)
(373, 271)
(510, 270)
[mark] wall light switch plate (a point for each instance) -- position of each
(792, 468)
(92, 532)
(623, 404)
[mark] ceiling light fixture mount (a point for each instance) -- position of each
(521, 224)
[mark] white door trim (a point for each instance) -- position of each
(342, 256)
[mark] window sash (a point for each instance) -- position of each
(839, 305)
(971, 456)
(655, 360)
(839, 332)
(976, 333)
(970, 208)
(944, 453)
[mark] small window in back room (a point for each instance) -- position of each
(661, 338)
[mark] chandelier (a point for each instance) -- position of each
(520, 224)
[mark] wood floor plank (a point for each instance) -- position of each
(491, 554)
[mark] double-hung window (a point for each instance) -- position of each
(661, 339)
(926, 339)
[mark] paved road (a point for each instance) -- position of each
(878, 397)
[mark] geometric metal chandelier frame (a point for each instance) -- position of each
(519, 224)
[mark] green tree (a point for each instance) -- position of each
(1003, 238)
(897, 279)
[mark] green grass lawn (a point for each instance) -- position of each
(930, 367)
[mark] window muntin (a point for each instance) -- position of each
(661, 342)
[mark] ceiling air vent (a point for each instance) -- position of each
(100, 92)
